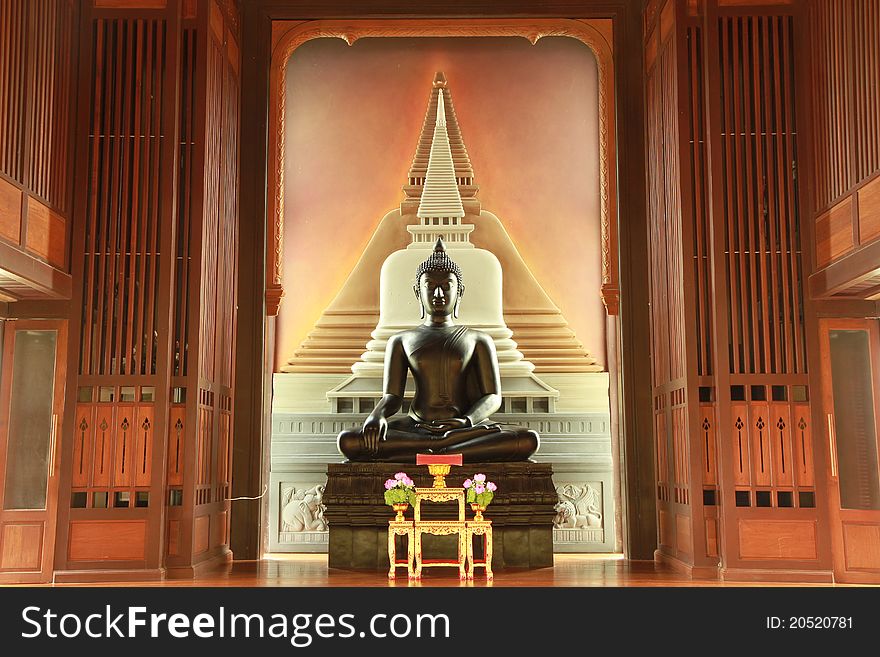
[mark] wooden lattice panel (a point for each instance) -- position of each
(758, 152)
(127, 154)
(846, 95)
(699, 206)
(36, 72)
(185, 204)
(664, 208)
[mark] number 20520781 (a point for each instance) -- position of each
(809, 623)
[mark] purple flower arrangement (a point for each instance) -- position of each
(400, 490)
(479, 491)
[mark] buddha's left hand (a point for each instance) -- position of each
(442, 426)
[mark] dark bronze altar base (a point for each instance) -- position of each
(522, 513)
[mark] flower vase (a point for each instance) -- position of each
(478, 511)
(400, 508)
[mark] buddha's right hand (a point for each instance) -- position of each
(374, 430)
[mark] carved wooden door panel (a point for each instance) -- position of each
(850, 350)
(31, 404)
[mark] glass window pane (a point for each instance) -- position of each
(854, 427)
(30, 420)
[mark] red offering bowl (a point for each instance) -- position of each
(439, 465)
(438, 459)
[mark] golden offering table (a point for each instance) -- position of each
(439, 495)
(404, 528)
(440, 528)
(479, 528)
(465, 529)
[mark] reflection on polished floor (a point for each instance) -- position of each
(586, 570)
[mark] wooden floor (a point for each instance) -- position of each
(569, 570)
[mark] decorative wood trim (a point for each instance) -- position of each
(54, 284)
(846, 272)
(594, 33)
(694, 572)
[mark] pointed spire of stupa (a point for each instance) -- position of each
(440, 197)
(463, 171)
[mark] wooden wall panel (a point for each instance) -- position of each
(777, 539)
(107, 540)
(683, 534)
(218, 529)
(173, 538)
(201, 535)
(862, 546)
(10, 212)
(46, 233)
(869, 211)
(834, 232)
(22, 546)
(667, 536)
(711, 537)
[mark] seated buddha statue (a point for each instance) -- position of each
(457, 385)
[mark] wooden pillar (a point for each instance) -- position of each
(675, 173)
(145, 468)
(733, 388)
(199, 438)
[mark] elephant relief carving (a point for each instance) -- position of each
(303, 510)
(578, 508)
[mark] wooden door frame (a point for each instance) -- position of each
(255, 329)
(836, 522)
(49, 515)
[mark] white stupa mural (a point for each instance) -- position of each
(550, 383)
(540, 331)
(441, 214)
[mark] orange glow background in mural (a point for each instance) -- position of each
(528, 115)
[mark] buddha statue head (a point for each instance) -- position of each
(439, 285)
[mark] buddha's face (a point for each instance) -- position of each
(438, 292)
